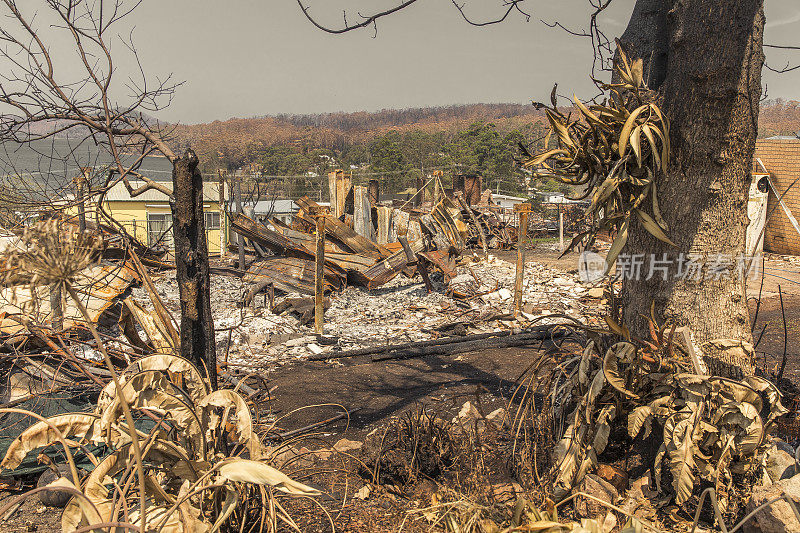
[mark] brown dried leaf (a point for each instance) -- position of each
(71, 425)
(258, 473)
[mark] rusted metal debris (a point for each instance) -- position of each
(293, 274)
(303, 308)
(371, 243)
(350, 257)
(486, 224)
(338, 231)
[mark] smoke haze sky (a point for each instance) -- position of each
(243, 58)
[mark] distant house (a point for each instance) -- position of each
(283, 210)
(148, 216)
(558, 198)
(549, 197)
(781, 159)
(507, 202)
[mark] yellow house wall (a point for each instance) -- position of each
(132, 215)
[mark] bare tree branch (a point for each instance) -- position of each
(789, 67)
(40, 100)
(783, 70)
(512, 5)
(367, 20)
(781, 47)
(602, 48)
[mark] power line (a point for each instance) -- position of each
(354, 173)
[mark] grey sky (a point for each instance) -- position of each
(241, 58)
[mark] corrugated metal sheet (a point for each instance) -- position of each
(119, 193)
(291, 274)
(262, 207)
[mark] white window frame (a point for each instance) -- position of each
(212, 215)
(154, 234)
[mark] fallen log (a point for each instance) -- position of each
(518, 339)
(448, 345)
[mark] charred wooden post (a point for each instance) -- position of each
(318, 213)
(374, 193)
(411, 257)
(417, 261)
(223, 217)
(319, 278)
(522, 236)
(239, 238)
(422, 268)
(191, 266)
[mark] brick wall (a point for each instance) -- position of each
(782, 159)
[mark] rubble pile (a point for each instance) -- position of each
(614, 399)
(408, 313)
(400, 311)
(545, 290)
(478, 299)
(417, 287)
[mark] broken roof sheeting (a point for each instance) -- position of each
(98, 286)
(292, 274)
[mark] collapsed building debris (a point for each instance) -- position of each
(467, 310)
(368, 244)
(425, 239)
(373, 242)
(99, 287)
(291, 274)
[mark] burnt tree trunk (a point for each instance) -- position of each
(705, 58)
(191, 264)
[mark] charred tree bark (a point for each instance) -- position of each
(646, 37)
(711, 90)
(191, 263)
